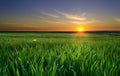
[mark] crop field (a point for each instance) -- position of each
(59, 54)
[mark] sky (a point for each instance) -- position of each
(59, 15)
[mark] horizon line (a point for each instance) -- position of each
(36, 31)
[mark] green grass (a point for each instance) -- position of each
(59, 54)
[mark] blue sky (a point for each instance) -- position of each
(59, 14)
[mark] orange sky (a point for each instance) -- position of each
(58, 28)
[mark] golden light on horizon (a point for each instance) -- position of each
(80, 29)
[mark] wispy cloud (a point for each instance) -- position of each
(91, 21)
(83, 14)
(70, 16)
(50, 15)
(53, 22)
(77, 22)
(117, 19)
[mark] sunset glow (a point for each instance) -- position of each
(80, 29)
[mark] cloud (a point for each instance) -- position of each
(53, 22)
(84, 22)
(117, 19)
(91, 21)
(70, 16)
(77, 22)
(50, 15)
(83, 14)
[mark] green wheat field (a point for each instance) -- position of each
(59, 54)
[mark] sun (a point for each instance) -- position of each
(80, 29)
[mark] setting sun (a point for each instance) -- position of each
(80, 29)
